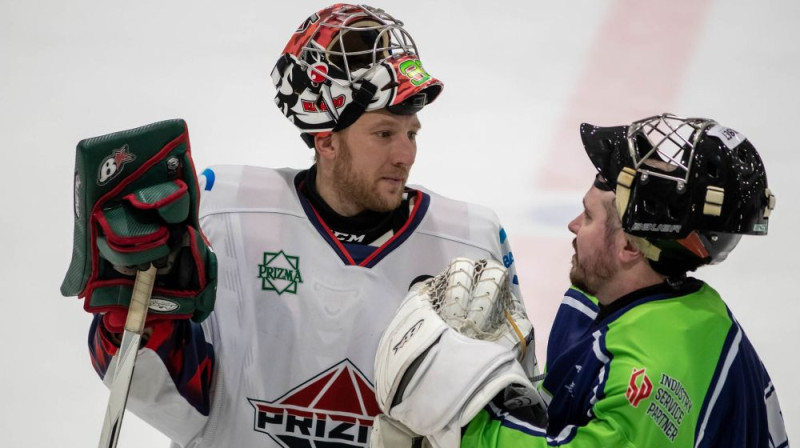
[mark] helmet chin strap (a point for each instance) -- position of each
(623, 191)
(649, 250)
(327, 99)
(361, 99)
(623, 197)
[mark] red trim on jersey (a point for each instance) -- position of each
(380, 249)
(333, 238)
(400, 232)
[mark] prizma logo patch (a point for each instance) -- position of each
(335, 409)
(280, 273)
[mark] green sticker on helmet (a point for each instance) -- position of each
(414, 71)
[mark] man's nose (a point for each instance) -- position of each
(574, 225)
(405, 151)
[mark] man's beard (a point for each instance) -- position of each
(352, 186)
(590, 274)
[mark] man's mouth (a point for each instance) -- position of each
(395, 180)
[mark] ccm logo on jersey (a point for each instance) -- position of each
(349, 237)
(334, 409)
(408, 335)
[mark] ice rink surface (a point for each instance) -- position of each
(520, 76)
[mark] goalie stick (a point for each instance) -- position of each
(126, 356)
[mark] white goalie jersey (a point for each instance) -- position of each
(298, 317)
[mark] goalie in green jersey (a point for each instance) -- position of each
(641, 354)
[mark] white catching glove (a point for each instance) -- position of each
(473, 297)
(455, 343)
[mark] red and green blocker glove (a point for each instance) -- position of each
(136, 204)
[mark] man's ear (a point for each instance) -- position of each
(630, 251)
(325, 145)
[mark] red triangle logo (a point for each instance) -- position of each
(333, 409)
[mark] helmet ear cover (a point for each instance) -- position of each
(678, 256)
(686, 187)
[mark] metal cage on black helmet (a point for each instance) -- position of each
(687, 187)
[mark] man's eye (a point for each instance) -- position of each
(383, 134)
(412, 136)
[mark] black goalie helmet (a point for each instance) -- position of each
(345, 60)
(686, 188)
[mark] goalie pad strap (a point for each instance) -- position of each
(157, 196)
(170, 199)
(122, 230)
(127, 228)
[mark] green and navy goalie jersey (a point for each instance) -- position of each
(661, 367)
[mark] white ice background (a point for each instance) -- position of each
(520, 76)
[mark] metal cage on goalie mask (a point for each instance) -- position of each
(346, 60)
(687, 186)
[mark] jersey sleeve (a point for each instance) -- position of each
(743, 408)
(171, 386)
(573, 319)
(610, 420)
(493, 428)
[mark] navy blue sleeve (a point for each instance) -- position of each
(741, 408)
(182, 347)
(574, 317)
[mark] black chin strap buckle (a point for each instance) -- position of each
(361, 99)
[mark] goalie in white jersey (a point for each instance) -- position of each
(311, 263)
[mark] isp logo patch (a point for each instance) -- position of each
(639, 387)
